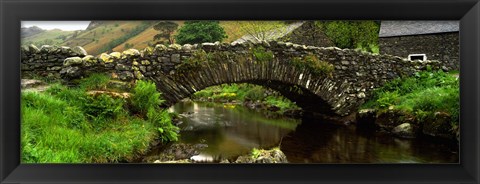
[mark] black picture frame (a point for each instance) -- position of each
(14, 11)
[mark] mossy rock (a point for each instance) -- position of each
(405, 130)
(72, 61)
(390, 119)
(439, 125)
(116, 55)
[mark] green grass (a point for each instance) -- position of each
(423, 94)
(65, 125)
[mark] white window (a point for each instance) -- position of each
(421, 57)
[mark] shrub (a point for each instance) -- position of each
(145, 97)
(255, 93)
(103, 106)
(162, 119)
(199, 32)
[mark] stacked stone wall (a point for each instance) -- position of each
(179, 71)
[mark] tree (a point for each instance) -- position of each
(352, 34)
(166, 29)
(262, 30)
(200, 31)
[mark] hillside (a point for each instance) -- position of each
(107, 35)
(48, 37)
(143, 39)
(29, 31)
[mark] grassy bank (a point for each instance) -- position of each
(70, 125)
(422, 96)
(246, 92)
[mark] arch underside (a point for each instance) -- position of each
(299, 86)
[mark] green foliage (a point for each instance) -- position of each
(280, 102)
(162, 119)
(103, 106)
(423, 94)
(313, 64)
(352, 34)
(203, 94)
(146, 101)
(199, 32)
(255, 153)
(261, 54)
(166, 29)
(255, 93)
(145, 97)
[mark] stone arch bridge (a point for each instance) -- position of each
(330, 80)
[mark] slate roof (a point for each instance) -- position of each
(404, 28)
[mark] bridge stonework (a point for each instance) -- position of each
(339, 88)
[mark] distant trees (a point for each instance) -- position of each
(200, 31)
(166, 29)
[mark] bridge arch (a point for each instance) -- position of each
(305, 91)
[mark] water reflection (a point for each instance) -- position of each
(315, 141)
(230, 132)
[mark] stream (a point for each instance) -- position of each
(227, 131)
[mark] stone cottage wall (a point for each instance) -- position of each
(443, 47)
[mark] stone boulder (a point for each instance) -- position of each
(404, 130)
(71, 72)
(71, 61)
(79, 51)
